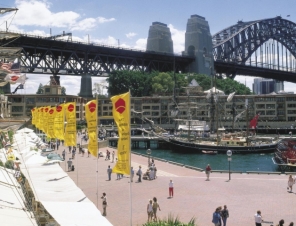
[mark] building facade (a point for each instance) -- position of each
(266, 86)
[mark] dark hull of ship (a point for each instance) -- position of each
(188, 147)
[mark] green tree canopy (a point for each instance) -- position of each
(163, 82)
(63, 90)
(40, 89)
(137, 82)
(144, 84)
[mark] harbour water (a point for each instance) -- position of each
(250, 162)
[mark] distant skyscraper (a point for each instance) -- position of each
(266, 86)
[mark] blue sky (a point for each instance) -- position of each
(127, 22)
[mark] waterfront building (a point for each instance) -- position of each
(276, 110)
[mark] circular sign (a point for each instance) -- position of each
(229, 153)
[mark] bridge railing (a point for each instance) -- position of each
(85, 43)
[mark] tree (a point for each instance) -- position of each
(99, 88)
(163, 82)
(137, 82)
(40, 89)
(63, 90)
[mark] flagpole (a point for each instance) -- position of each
(130, 163)
(97, 102)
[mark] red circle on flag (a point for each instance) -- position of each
(46, 109)
(51, 111)
(120, 106)
(92, 107)
(59, 108)
(70, 107)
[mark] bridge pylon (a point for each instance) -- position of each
(159, 38)
(198, 43)
(86, 86)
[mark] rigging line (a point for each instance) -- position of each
(12, 19)
(12, 207)
(20, 195)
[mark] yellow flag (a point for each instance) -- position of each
(33, 111)
(41, 119)
(121, 114)
(45, 119)
(91, 116)
(37, 118)
(70, 130)
(58, 124)
(50, 122)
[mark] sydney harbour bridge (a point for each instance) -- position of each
(264, 48)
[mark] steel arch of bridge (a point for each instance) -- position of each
(237, 43)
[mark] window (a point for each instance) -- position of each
(17, 109)
(146, 113)
(155, 107)
(291, 105)
(291, 111)
(146, 107)
(155, 113)
(270, 112)
(270, 106)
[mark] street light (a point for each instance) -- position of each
(148, 153)
(229, 154)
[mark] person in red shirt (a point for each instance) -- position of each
(208, 171)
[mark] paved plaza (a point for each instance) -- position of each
(193, 195)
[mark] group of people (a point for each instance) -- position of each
(220, 215)
(152, 209)
(259, 220)
(108, 153)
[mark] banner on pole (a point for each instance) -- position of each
(58, 124)
(121, 114)
(70, 130)
(91, 116)
(50, 122)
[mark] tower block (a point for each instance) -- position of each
(198, 43)
(159, 38)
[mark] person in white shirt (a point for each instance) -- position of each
(149, 210)
(171, 189)
(258, 218)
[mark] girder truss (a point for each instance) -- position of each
(42, 55)
(237, 43)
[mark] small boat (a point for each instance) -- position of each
(209, 152)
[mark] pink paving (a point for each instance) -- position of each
(193, 196)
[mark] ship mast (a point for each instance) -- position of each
(247, 121)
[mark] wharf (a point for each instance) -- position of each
(148, 141)
(193, 195)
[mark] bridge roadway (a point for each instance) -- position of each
(193, 195)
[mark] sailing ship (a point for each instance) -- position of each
(238, 143)
(285, 155)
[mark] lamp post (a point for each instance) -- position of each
(229, 154)
(148, 153)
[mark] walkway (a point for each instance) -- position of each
(194, 197)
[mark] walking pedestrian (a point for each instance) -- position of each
(139, 173)
(171, 189)
(109, 171)
(208, 171)
(132, 174)
(104, 204)
(224, 215)
(113, 154)
(73, 153)
(149, 210)
(216, 217)
(155, 206)
(290, 184)
(70, 148)
(291, 224)
(64, 154)
(69, 162)
(258, 218)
